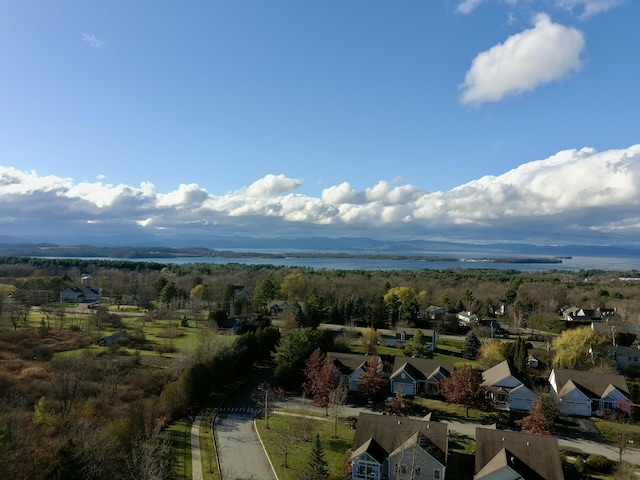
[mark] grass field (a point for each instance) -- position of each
(335, 449)
(180, 433)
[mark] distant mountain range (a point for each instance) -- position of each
(224, 245)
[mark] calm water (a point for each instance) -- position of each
(573, 264)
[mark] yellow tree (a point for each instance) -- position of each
(294, 287)
(575, 348)
(370, 339)
(490, 353)
(404, 294)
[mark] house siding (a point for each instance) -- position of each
(412, 457)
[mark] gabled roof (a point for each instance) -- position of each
(534, 457)
(372, 448)
(426, 444)
(392, 432)
(592, 384)
(347, 363)
(500, 372)
(420, 368)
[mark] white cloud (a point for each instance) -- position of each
(467, 6)
(589, 8)
(526, 60)
(272, 185)
(343, 193)
(92, 40)
(585, 191)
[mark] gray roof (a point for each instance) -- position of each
(392, 432)
(347, 363)
(421, 368)
(534, 457)
(592, 384)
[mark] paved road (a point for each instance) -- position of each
(241, 454)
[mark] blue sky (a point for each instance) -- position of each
(444, 119)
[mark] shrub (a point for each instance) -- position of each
(600, 464)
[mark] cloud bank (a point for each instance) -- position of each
(578, 194)
(526, 60)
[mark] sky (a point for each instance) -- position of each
(464, 120)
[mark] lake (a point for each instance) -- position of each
(319, 263)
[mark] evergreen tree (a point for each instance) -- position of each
(471, 346)
(520, 355)
(318, 467)
(418, 346)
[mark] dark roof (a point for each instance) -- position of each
(590, 382)
(347, 363)
(534, 457)
(392, 432)
(420, 368)
(373, 448)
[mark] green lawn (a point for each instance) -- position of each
(207, 447)
(180, 433)
(449, 411)
(613, 432)
(335, 449)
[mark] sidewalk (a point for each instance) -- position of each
(196, 462)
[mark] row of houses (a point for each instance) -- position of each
(400, 448)
(577, 392)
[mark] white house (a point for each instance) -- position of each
(584, 393)
(506, 387)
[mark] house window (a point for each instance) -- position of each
(401, 469)
(417, 471)
(503, 397)
(437, 474)
(633, 359)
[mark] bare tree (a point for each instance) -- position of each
(337, 400)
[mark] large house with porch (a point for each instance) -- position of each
(398, 448)
(80, 295)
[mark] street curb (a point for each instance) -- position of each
(255, 427)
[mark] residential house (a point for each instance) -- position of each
(467, 318)
(434, 313)
(239, 323)
(624, 357)
(506, 455)
(584, 393)
(577, 314)
(419, 376)
(80, 295)
(430, 336)
(506, 387)
(350, 367)
(398, 448)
